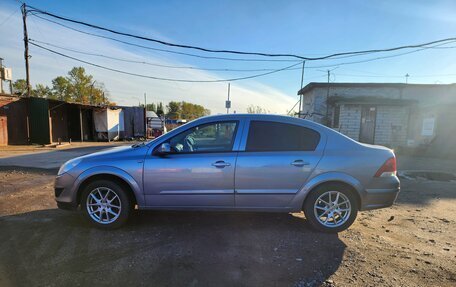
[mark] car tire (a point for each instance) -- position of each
(324, 214)
(105, 204)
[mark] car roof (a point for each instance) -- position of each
(284, 119)
(264, 117)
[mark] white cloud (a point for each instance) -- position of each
(125, 89)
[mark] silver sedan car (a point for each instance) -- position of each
(234, 162)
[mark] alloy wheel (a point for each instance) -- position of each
(103, 205)
(332, 208)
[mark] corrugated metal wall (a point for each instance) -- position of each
(39, 121)
(59, 120)
(14, 110)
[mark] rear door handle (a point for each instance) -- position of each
(221, 164)
(299, 162)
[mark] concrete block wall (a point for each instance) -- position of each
(391, 126)
(350, 120)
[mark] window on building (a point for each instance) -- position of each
(274, 136)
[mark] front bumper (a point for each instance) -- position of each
(65, 195)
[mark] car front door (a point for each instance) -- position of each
(199, 170)
(274, 162)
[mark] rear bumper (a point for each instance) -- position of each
(379, 198)
(381, 192)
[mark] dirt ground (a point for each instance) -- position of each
(412, 243)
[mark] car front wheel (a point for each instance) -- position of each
(331, 208)
(105, 204)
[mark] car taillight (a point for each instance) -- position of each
(387, 169)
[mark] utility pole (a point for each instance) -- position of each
(91, 92)
(27, 72)
(328, 72)
(145, 116)
(26, 51)
(406, 78)
(1, 76)
(327, 100)
(228, 102)
(302, 83)
(145, 102)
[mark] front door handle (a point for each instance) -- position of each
(221, 164)
(299, 162)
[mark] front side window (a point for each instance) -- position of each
(212, 137)
(275, 136)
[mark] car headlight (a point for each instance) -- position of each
(69, 165)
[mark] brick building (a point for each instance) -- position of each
(390, 114)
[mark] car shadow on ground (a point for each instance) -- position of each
(53, 247)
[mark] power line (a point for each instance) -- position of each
(35, 10)
(160, 41)
(293, 107)
(174, 52)
(164, 50)
(235, 70)
(149, 63)
(258, 70)
(252, 60)
(7, 18)
(159, 78)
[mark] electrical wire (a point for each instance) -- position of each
(149, 63)
(164, 50)
(251, 60)
(7, 18)
(257, 70)
(35, 10)
(160, 78)
(289, 112)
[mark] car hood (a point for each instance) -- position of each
(110, 152)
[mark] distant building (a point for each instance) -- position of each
(390, 114)
(155, 124)
(45, 121)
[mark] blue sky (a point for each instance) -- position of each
(300, 27)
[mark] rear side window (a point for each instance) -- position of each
(274, 136)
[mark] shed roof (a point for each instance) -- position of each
(314, 85)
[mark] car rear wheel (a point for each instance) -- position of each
(331, 208)
(105, 204)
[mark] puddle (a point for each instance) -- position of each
(427, 175)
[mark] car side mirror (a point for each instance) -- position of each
(164, 149)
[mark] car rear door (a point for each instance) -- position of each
(274, 162)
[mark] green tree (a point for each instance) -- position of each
(160, 109)
(79, 87)
(256, 110)
(42, 91)
(174, 109)
(151, 107)
(20, 87)
(191, 111)
(61, 89)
